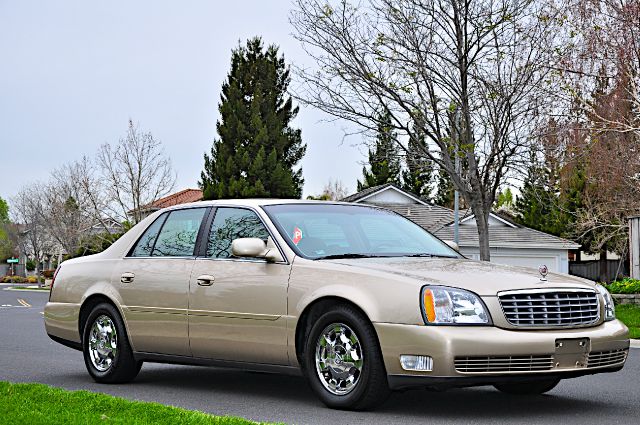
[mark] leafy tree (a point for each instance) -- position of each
(384, 160)
(257, 148)
(505, 199)
(7, 245)
(4, 211)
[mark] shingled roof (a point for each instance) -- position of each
(507, 237)
(183, 197)
(430, 217)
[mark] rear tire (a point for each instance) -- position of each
(107, 353)
(343, 362)
(527, 387)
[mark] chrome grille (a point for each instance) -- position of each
(606, 358)
(550, 307)
(503, 364)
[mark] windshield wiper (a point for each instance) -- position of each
(350, 255)
(426, 254)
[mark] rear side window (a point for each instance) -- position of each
(178, 235)
(230, 224)
(145, 243)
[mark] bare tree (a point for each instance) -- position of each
(335, 190)
(604, 36)
(74, 204)
(463, 79)
(27, 207)
(136, 172)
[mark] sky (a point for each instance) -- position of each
(72, 73)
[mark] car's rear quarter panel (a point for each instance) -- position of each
(75, 283)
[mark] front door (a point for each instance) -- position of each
(237, 307)
(153, 282)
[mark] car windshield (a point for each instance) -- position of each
(325, 231)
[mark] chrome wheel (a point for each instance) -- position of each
(339, 359)
(103, 343)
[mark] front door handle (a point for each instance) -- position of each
(127, 277)
(205, 280)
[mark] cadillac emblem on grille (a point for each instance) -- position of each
(544, 270)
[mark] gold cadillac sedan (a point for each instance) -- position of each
(358, 299)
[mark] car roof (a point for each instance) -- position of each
(259, 202)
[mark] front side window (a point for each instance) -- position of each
(233, 223)
(179, 233)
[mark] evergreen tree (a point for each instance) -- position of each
(445, 190)
(7, 247)
(257, 149)
(418, 174)
(384, 161)
(505, 199)
(539, 205)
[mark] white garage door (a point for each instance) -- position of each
(533, 262)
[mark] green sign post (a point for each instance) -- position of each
(13, 261)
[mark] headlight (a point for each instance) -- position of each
(609, 308)
(450, 306)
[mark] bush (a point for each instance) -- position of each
(624, 286)
(48, 274)
(30, 265)
(34, 279)
(14, 279)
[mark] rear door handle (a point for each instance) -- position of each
(205, 280)
(127, 277)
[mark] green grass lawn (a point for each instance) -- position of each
(40, 404)
(630, 315)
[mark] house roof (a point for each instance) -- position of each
(371, 191)
(439, 220)
(368, 191)
(183, 197)
(430, 217)
(507, 237)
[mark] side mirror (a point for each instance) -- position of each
(254, 248)
(453, 245)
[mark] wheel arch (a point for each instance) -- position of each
(315, 309)
(89, 303)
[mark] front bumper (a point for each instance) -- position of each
(445, 344)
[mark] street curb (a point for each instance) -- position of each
(635, 343)
(25, 290)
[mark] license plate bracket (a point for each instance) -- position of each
(572, 353)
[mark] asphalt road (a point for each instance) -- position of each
(28, 355)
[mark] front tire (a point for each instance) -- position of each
(527, 387)
(343, 362)
(107, 353)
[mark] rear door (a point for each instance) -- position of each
(153, 282)
(237, 307)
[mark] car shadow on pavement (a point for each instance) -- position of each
(481, 402)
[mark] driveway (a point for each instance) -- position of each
(28, 355)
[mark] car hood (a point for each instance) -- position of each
(481, 277)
